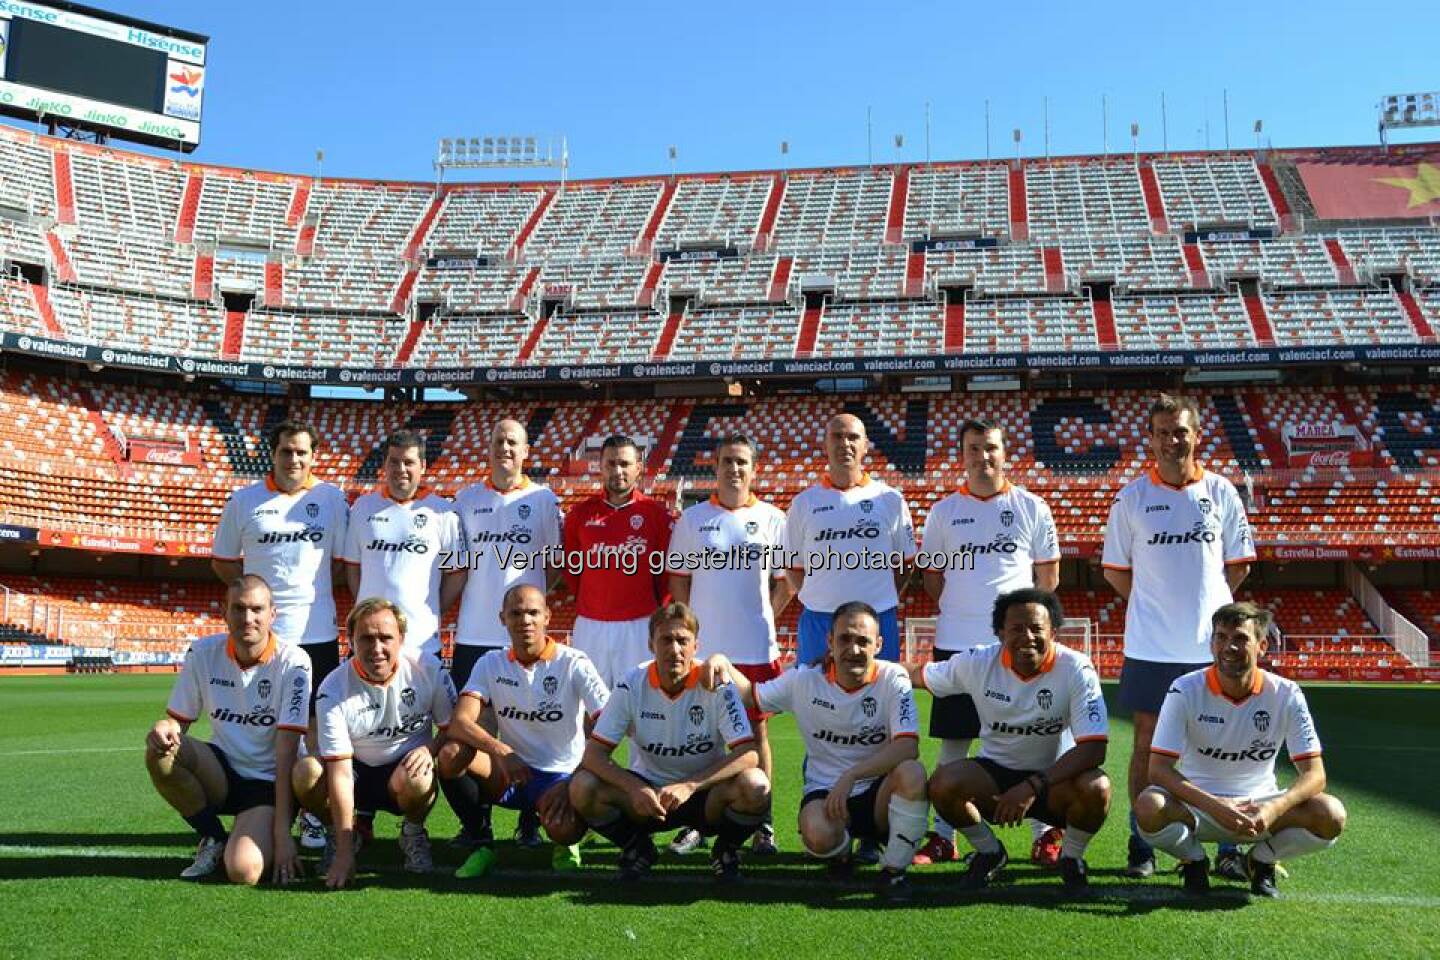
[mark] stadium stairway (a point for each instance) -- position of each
(234, 340)
(1422, 327)
(1105, 334)
(1154, 202)
(189, 207)
(895, 218)
(766, 229)
(1019, 210)
(668, 334)
(517, 247)
(1259, 322)
(1195, 263)
(646, 243)
(955, 323)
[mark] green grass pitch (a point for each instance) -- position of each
(89, 854)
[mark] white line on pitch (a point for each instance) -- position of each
(139, 747)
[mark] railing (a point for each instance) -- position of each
(1407, 638)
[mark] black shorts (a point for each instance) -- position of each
(242, 793)
(691, 813)
(324, 658)
(1005, 778)
(462, 663)
(1144, 683)
(372, 786)
(953, 718)
(859, 809)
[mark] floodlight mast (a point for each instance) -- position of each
(507, 151)
(1401, 111)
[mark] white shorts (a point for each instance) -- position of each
(1208, 831)
(615, 646)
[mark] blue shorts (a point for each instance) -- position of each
(1144, 683)
(815, 635)
(526, 796)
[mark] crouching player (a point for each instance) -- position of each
(863, 778)
(374, 722)
(1212, 761)
(694, 765)
(1028, 690)
(256, 694)
(545, 697)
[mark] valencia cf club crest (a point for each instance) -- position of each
(868, 706)
(1205, 506)
(407, 696)
(1262, 720)
(751, 527)
(1044, 698)
(550, 685)
(866, 506)
(524, 511)
(263, 689)
(1007, 517)
(636, 521)
(697, 715)
(420, 521)
(312, 510)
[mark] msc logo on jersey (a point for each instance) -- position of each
(697, 715)
(1044, 698)
(1261, 720)
(524, 511)
(868, 706)
(263, 688)
(1007, 517)
(407, 696)
(550, 685)
(907, 709)
(312, 510)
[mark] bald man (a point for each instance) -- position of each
(848, 538)
(510, 525)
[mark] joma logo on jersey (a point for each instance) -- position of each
(866, 738)
(997, 695)
(506, 681)
(1158, 508)
(689, 750)
(1256, 753)
(1192, 536)
(409, 546)
(308, 535)
(861, 531)
(651, 715)
(817, 702)
(1042, 728)
(533, 716)
(223, 715)
(1207, 718)
(221, 682)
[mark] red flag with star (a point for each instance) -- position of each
(1372, 191)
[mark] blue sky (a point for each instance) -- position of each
(375, 84)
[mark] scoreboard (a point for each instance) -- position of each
(78, 66)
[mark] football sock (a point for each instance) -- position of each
(981, 837)
(907, 830)
(1176, 839)
(950, 751)
(619, 830)
(1288, 844)
(1037, 828)
(1137, 837)
(463, 795)
(206, 822)
(1075, 842)
(735, 827)
(841, 849)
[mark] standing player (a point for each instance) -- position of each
(849, 538)
(694, 760)
(399, 535)
(988, 538)
(289, 529)
(255, 692)
(724, 562)
(1029, 690)
(1176, 545)
(620, 537)
(1212, 761)
(375, 743)
(544, 695)
(863, 776)
(509, 526)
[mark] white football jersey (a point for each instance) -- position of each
(1228, 747)
(540, 710)
(732, 558)
(985, 546)
(504, 536)
(1022, 722)
(1176, 541)
(844, 539)
(245, 707)
(399, 548)
(842, 727)
(377, 723)
(673, 738)
(290, 539)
